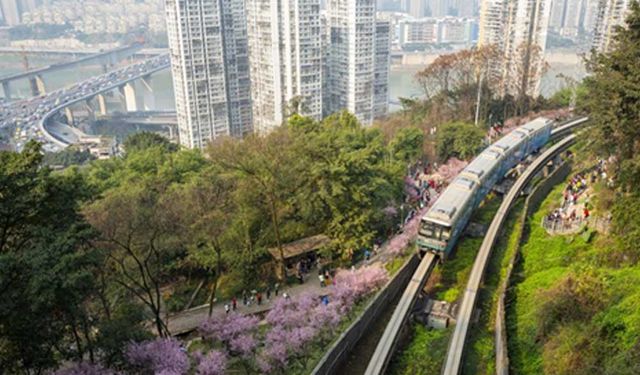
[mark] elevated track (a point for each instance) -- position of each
(387, 344)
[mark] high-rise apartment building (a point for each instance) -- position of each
(210, 69)
(518, 29)
(357, 46)
(566, 16)
(610, 13)
(285, 46)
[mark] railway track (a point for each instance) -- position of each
(455, 351)
(386, 346)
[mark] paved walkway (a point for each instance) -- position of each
(188, 320)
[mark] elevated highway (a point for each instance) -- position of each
(36, 76)
(117, 80)
(29, 118)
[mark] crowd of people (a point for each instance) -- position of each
(572, 211)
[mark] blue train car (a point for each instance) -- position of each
(445, 222)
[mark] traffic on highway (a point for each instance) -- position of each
(21, 121)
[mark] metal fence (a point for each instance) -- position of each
(567, 226)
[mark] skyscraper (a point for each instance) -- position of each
(285, 46)
(210, 69)
(357, 67)
(565, 17)
(610, 13)
(518, 29)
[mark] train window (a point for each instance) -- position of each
(445, 234)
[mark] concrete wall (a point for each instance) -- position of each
(339, 351)
(538, 194)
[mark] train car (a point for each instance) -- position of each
(438, 229)
(444, 223)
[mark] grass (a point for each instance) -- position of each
(545, 260)
(424, 354)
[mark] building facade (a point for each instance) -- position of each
(609, 14)
(285, 45)
(518, 30)
(210, 69)
(357, 44)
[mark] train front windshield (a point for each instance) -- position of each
(433, 236)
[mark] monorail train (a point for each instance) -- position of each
(444, 223)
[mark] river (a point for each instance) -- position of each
(401, 78)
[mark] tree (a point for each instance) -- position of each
(46, 268)
(346, 181)
(143, 140)
(459, 140)
(269, 168)
(406, 146)
(614, 103)
(138, 238)
(204, 208)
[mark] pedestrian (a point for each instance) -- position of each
(325, 300)
(276, 288)
(321, 278)
(245, 297)
(234, 303)
(226, 308)
(367, 254)
(268, 293)
(259, 298)
(285, 295)
(586, 212)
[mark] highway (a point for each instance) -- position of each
(455, 351)
(27, 118)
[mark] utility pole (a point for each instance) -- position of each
(479, 97)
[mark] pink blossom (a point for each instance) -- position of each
(84, 368)
(214, 363)
(164, 356)
(235, 331)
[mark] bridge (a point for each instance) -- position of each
(42, 118)
(92, 98)
(36, 76)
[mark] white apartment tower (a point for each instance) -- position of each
(210, 69)
(610, 13)
(358, 59)
(518, 29)
(285, 45)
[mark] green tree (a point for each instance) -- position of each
(204, 208)
(614, 100)
(46, 268)
(143, 140)
(407, 144)
(458, 139)
(346, 180)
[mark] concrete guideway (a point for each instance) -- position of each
(386, 345)
(455, 351)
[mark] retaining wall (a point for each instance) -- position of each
(538, 194)
(339, 351)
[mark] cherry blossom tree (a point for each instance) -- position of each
(84, 368)
(213, 363)
(159, 356)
